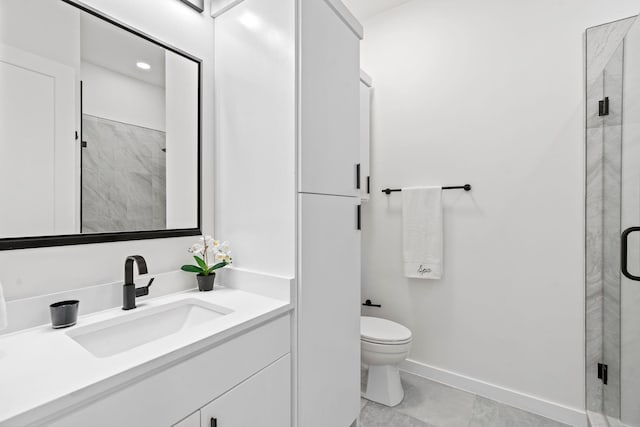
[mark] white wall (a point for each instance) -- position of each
(39, 271)
(53, 32)
(255, 164)
(115, 96)
(488, 93)
(182, 133)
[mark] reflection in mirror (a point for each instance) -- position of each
(99, 125)
(123, 128)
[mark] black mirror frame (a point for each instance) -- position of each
(81, 239)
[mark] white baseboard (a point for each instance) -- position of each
(555, 411)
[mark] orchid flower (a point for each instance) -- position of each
(208, 246)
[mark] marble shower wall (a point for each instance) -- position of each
(123, 177)
(604, 61)
(612, 174)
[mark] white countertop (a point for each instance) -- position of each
(44, 371)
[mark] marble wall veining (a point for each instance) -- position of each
(612, 156)
(594, 248)
(601, 43)
(604, 62)
(612, 174)
(123, 177)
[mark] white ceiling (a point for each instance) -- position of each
(363, 9)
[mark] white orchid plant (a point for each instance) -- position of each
(206, 251)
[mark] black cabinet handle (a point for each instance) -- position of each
(623, 253)
(214, 422)
(359, 221)
(603, 107)
(358, 176)
(368, 185)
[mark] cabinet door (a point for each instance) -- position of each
(365, 140)
(330, 56)
(262, 400)
(328, 311)
(192, 420)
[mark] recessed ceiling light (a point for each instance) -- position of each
(143, 65)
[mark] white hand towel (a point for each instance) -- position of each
(3, 310)
(422, 232)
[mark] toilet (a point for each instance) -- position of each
(384, 344)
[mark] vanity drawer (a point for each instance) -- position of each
(267, 394)
(167, 397)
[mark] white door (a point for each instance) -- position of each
(328, 311)
(262, 400)
(37, 146)
(329, 110)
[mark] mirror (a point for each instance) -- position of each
(99, 129)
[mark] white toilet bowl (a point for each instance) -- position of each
(384, 344)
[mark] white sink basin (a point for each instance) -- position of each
(123, 333)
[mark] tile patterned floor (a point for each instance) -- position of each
(430, 404)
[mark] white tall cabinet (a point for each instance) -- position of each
(329, 238)
(328, 311)
(288, 144)
(329, 106)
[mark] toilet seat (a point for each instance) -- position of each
(382, 342)
(382, 331)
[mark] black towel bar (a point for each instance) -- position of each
(466, 187)
(368, 303)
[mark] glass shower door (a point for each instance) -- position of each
(630, 241)
(613, 223)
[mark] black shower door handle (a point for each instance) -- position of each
(624, 252)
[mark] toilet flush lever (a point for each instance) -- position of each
(368, 303)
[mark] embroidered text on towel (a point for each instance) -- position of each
(423, 270)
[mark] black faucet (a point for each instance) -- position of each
(129, 290)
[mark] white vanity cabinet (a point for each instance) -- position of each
(262, 400)
(250, 371)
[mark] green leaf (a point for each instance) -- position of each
(203, 265)
(218, 265)
(191, 269)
